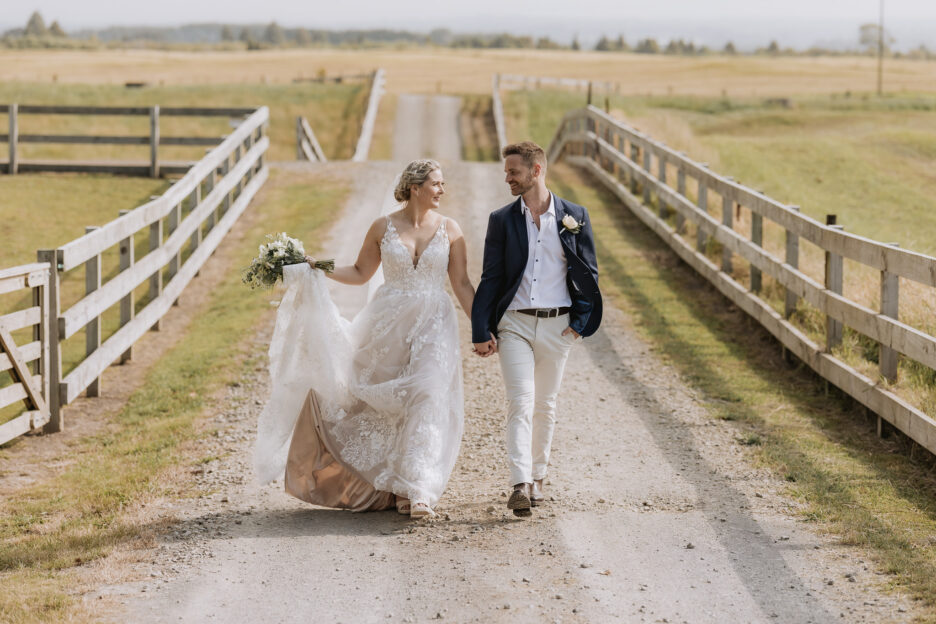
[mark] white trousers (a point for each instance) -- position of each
(532, 353)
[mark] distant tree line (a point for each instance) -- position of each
(272, 35)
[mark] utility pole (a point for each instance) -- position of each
(880, 82)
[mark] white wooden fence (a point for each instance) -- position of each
(154, 139)
(497, 106)
(625, 160)
(370, 117)
(28, 364)
(513, 81)
(184, 226)
(307, 145)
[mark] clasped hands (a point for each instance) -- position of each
(485, 349)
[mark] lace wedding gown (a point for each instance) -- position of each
(361, 410)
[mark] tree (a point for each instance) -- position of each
(603, 45)
(226, 33)
(274, 34)
(545, 43)
(621, 45)
(55, 30)
(575, 44)
(870, 36)
(774, 48)
(36, 27)
(303, 38)
(647, 46)
(729, 48)
(244, 35)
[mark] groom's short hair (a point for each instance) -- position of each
(530, 152)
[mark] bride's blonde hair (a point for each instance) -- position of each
(415, 173)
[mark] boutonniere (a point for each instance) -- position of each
(569, 223)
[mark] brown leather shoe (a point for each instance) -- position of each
(519, 501)
(536, 493)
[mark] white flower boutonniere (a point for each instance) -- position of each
(569, 223)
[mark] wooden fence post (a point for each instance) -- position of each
(661, 176)
(703, 205)
(833, 282)
(248, 143)
(635, 157)
(154, 142)
(757, 237)
(127, 312)
(728, 221)
(792, 259)
(239, 187)
(195, 240)
(299, 138)
(890, 293)
(175, 218)
(210, 182)
(13, 115)
(156, 279)
(681, 189)
(56, 419)
(226, 202)
(647, 164)
(93, 328)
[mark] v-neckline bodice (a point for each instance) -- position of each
(415, 259)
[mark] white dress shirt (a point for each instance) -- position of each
(544, 279)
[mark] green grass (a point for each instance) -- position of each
(55, 525)
(870, 161)
(334, 112)
(479, 137)
(850, 483)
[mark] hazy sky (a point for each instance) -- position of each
(423, 15)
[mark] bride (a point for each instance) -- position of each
(368, 413)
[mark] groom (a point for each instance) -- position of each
(537, 296)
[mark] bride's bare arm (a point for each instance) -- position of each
(368, 258)
(458, 267)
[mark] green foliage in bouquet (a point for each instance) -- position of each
(282, 249)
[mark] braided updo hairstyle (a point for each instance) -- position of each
(415, 173)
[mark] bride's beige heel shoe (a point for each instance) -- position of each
(403, 506)
(421, 509)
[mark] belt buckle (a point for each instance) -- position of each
(542, 313)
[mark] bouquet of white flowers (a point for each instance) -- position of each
(267, 267)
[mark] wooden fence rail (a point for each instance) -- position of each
(184, 226)
(307, 145)
(25, 367)
(154, 168)
(623, 159)
(370, 117)
(513, 81)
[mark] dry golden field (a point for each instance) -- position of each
(426, 70)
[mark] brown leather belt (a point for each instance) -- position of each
(545, 312)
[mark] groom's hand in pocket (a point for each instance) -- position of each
(569, 330)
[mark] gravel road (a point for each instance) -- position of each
(655, 511)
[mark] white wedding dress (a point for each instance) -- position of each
(363, 410)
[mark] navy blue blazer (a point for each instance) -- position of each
(506, 248)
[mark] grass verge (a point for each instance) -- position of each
(869, 492)
(50, 528)
(476, 127)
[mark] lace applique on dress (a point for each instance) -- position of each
(389, 383)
